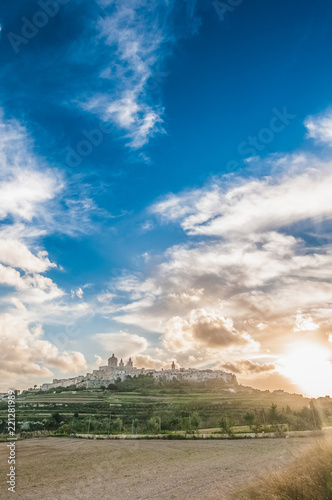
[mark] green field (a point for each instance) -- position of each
(158, 408)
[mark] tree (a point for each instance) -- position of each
(135, 425)
(175, 423)
(57, 417)
(153, 425)
(117, 425)
(273, 415)
(65, 429)
(112, 387)
(195, 420)
(315, 415)
(288, 410)
(224, 424)
(249, 418)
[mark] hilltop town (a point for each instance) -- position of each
(113, 371)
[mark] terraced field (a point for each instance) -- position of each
(129, 406)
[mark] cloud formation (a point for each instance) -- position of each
(202, 329)
(16, 254)
(33, 199)
(320, 127)
(298, 193)
(24, 352)
(252, 271)
(139, 34)
(247, 367)
(122, 343)
(26, 181)
(146, 361)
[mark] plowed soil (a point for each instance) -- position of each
(67, 469)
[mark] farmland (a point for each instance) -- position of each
(66, 468)
(183, 409)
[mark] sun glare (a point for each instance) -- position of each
(308, 366)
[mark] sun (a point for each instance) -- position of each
(308, 366)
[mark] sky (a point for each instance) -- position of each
(165, 188)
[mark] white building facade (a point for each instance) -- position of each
(113, 371)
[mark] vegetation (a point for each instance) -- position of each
(141, 405)
(308, 478)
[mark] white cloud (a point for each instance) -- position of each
(304, 323)
(24, 353)
(122, 343)
(320, 127)
(10, 277)
(35, 198)
(146, 361)
(77, 293)
(139, 34)
(247, 367)
(250, 277)
(26, 181)
(261, 256)
(202, 329)
(30, 288)
(34, 201)
(254, 205)
(22, 191)
(16, 254)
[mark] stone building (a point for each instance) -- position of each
(113, 371)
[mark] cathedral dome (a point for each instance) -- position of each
(113, 361)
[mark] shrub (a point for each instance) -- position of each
(308, 478)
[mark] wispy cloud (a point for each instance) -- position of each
(26, 181)
(254, 205)
(139, 36)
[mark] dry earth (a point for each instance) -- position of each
(66, 469)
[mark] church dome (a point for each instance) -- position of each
(113, 361)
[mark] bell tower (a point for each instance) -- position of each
(129, 366)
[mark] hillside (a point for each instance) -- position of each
(141, 405)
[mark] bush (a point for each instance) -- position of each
(117, 425)
(308, 478)
(153, 425)
(65, 429)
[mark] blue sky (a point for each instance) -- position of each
(164, 176)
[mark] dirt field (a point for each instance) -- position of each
(70, 469)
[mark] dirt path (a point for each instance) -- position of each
(70, 469)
